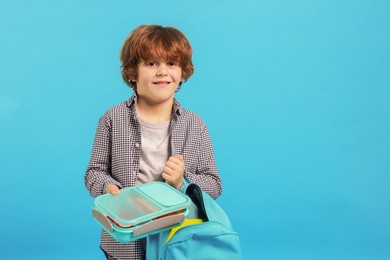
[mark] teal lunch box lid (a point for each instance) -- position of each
(142, 203)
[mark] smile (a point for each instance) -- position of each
(161, 83)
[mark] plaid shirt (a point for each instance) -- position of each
(116, 157)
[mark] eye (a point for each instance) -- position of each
(172, 63)
(151, 63)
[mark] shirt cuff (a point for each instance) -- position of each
(184, 185)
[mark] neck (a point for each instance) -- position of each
(154, 113)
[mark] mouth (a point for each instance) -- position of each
(161, 83)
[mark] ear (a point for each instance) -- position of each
(133, 74)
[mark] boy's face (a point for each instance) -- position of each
(158, 80)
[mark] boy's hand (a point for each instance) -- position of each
(113, 189)
(173, 171)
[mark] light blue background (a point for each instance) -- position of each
(296, 96)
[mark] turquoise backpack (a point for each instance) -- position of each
(210, 236)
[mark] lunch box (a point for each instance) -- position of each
(140, 211)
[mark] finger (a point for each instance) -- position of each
(173, 160)
(113, 189)
(176, 161)
(171, 165)
(174, 181)
(168, 178)
(169, 171)
(178, 156)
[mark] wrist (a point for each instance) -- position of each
(179, 186)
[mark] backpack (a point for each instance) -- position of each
(211, 236)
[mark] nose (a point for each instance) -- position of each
(161, 70)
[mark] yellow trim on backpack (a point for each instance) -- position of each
(187, 222)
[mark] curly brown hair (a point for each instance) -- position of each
(151, 42)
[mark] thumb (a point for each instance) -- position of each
(113, 189)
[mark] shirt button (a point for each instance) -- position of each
(137, 145)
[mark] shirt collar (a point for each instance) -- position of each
(133, 99)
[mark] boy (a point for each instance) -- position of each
(150, 137)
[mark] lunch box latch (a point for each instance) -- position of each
(158, 224)
(103, 220)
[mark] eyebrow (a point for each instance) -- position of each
(160, 60)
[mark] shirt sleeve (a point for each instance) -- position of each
(207, 176)
(98, 173)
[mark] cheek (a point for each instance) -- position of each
(179, 76)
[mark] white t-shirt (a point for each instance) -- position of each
(155, 150)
